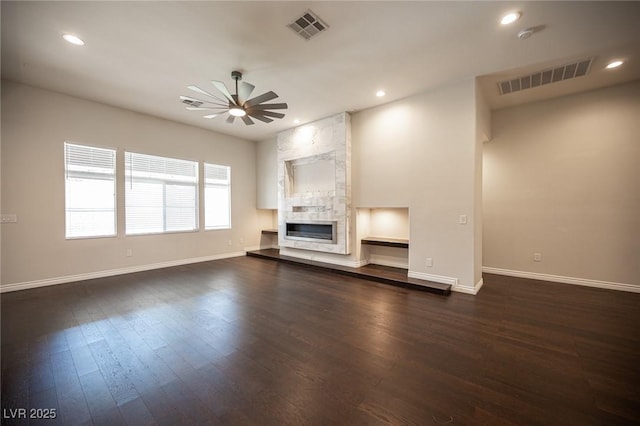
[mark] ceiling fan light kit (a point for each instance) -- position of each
(237, 105)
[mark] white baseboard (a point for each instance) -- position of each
(435, 278)
(112, 272)
(468, 290)
(455, 285)
(565, 280)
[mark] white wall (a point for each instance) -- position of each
(422, 153)
(267, 174)
(562, 178)
(35, 125)
(389, 222)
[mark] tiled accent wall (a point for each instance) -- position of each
(328, 139)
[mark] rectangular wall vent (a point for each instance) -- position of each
(540, 78)
(308, 25)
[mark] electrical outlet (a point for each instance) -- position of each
(537, 257)
(8, 218)
(230, 242)
(129, 252)
(463, 219)
(241, 240)
(429, 262)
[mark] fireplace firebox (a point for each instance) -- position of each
(312, 231)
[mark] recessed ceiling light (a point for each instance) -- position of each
(614, 64)
(73, 39)
(380, 93)
(296, 121)
(510, 18)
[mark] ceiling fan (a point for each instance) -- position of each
(237, 105)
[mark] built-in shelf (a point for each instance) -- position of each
(270, 231)
(387, 242)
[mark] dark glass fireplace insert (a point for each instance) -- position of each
(321, 232)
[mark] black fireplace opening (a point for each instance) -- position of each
(324, 232)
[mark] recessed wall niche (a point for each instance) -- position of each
(313, 175)
(385, 224)
(314, 185)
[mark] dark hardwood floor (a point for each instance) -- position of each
(252, 341)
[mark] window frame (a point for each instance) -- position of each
(128, 175)
(228, 186)
(115, 190)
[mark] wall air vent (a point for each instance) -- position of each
(308, 25)
(553, 75)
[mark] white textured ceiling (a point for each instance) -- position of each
(142, 55)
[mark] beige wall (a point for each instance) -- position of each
(35, 125)
(562, 178)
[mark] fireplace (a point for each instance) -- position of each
(312, 231)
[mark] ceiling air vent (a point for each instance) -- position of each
(553, 75)
(308, 25)
(192, 102)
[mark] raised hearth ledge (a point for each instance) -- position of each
(382, 274)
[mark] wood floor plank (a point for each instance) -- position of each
(246, 341)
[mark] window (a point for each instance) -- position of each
(90, 202)
(161, 194)
(217, 196)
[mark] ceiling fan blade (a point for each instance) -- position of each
(223, 89)
(204, 92)
(271, 114)
(210, 116)
(247, 120)
(270, 106)
(189, 98)
(260, 99)
(230, 119)
(245, 89)
(205, 108)
(260, 117)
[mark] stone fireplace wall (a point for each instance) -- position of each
(323, 146)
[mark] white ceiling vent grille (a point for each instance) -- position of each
(553, 75)
(308, 25)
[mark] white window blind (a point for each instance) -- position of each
(90, 202)
(217, 196)
(161, 194)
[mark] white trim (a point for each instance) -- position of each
(360, 263)
(564, 280)
(252, 248)
(111, 272)
(435, 278)
(468, 290)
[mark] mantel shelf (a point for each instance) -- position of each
(270, 231)
(387, 242)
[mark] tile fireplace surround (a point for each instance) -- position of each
(314, 183)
